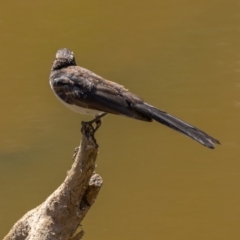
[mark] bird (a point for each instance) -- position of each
(85, 92)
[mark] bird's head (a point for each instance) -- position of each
(64, 58)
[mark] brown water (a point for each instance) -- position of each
(181, 56)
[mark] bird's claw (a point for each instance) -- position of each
(88, 130)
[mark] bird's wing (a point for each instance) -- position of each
(99, 95)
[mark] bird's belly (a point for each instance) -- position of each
(81, 110)
(76, 108)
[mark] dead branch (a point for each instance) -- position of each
(60, 216)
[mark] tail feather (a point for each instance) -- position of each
(177, 124)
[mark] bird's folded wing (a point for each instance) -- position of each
(112, 100)
(100, 96)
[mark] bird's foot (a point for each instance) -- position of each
(89, 130)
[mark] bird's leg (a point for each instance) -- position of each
(87, 127)
(98, 121)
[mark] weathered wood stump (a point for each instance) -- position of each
(60, 216)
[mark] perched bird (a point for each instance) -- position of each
(87, 93)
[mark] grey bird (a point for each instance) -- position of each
(87, 93)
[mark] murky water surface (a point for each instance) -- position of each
(181, 56)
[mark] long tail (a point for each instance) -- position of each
(177, 124)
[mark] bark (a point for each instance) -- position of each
(60, 216)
